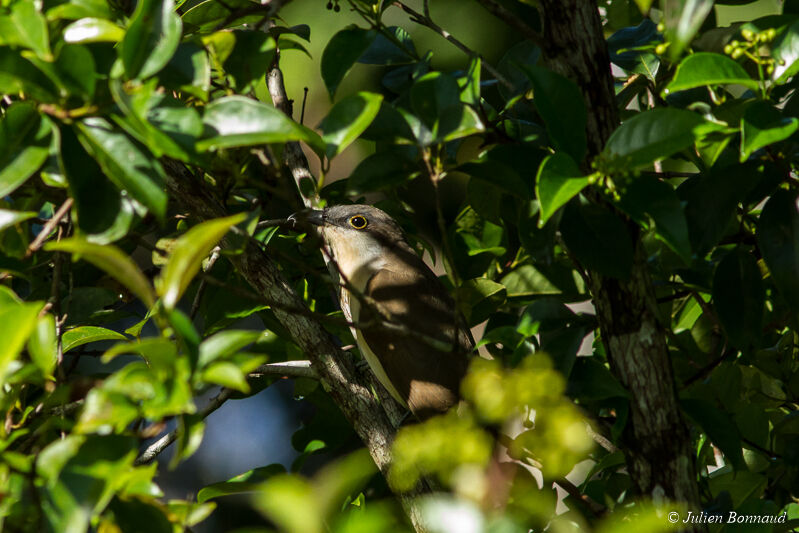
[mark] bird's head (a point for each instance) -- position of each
(358, 235)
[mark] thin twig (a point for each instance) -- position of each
(49, 227)
(426, 21)
(163, 443)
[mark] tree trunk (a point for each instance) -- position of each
(657, 441)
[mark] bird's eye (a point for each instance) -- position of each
(358, 222)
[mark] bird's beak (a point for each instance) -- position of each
(307, 216)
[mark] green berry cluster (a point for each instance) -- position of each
(750, 47)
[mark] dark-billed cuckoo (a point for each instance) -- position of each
(371, 254)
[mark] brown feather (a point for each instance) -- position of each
(426, 378)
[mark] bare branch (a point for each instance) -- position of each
(291, 369)
(163, 443)
(49, 227)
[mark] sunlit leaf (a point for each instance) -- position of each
(79, 336)
(706, 68)
(348, 119)
(651, 136)
(42, 345)
(558, 181)
(763, 125)
(151, 39)
(187, 256)
(239, 121)
(17, 323)
(93, 30)
(24, 145)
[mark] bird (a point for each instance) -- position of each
(372, 256)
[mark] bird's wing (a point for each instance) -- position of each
(427, 378)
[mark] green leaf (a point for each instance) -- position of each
(165, 125)
(77, 9)
(591, 380)
(738, 297)
(631, 49)
(498, 174)
(598, 238)
(528, 280)
(224, 344)
(74, 69)
(10, 218)
(435, 100)
(650, 136)
(250, 58)
(17, 74)
(348, 119)
(341, 53)
(470, 83)
(560, 103)
(187, 256)
(25, 138)
(778, 240)
(102, 212)
(706, 68)
(385, 51)
(762, 125)
(206, 16)
(511, 67)
(389, 125)
(240, 121)
(81, 335)
(25, 26)
(431, 95)
(558, 181)
(17, 323)
(719, 426)
(682, 19)
(152, 38)
(478, 298)
(226, 374)
(42, 345)
(112, 261)
(303, 31)
(189, 70)
(708, 221)
(785, 51)
(649, 197)
(246, 482)
(124, 163)
(93, 30)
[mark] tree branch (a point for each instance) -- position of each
(426, 21)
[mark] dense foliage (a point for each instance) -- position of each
(118, 310)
